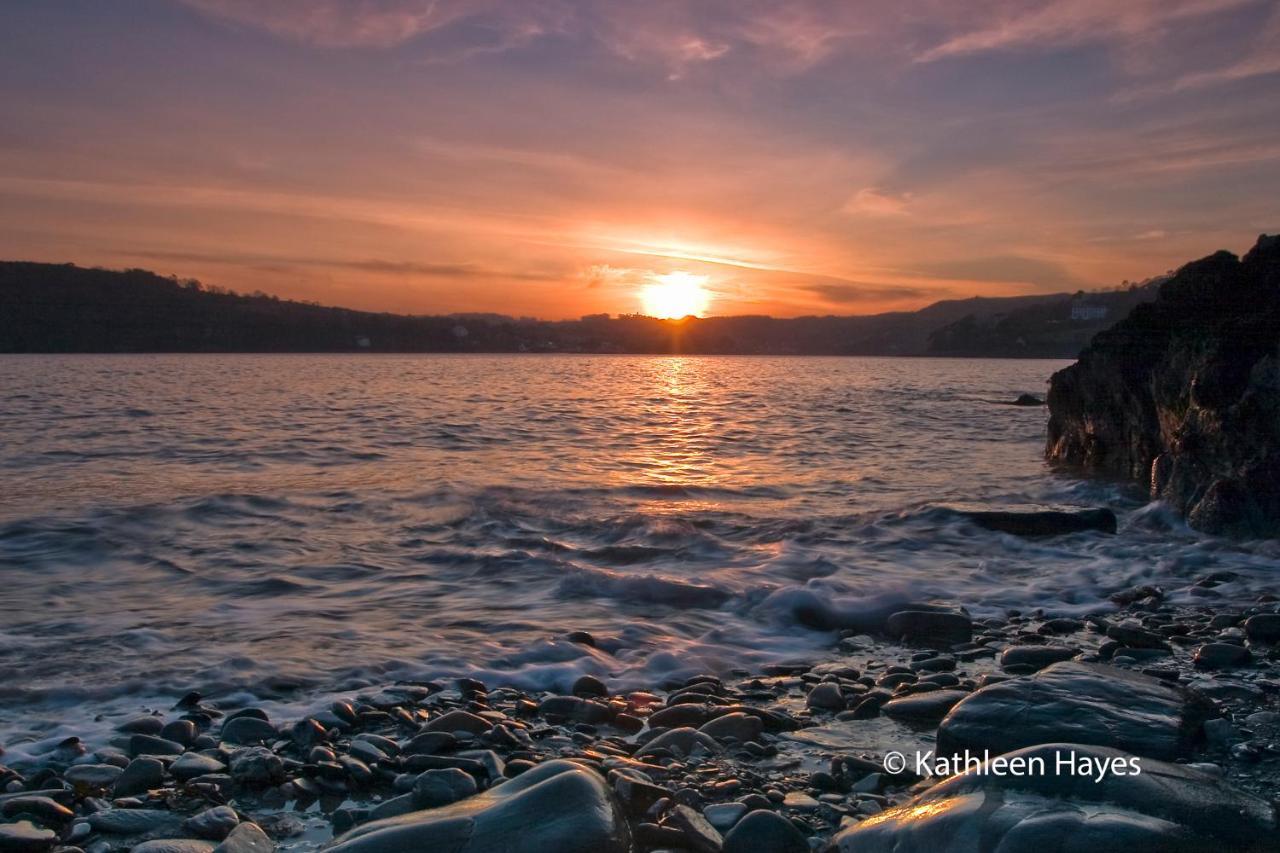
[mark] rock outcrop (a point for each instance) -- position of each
(1184, 394)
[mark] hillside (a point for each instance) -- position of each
(65, 308)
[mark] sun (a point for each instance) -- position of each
(674, 295)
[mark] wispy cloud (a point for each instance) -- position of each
(1058, 23)
(341, 23)
(873, 201)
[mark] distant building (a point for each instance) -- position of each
(363, 342)
(1082, 309)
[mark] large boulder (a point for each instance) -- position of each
(1078, 703)
(1162, 808)
(558, 805)
(1184, 394)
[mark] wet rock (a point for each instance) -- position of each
(699, 835)
(1164, 807)
(256, 765)
(1027, 400)
(93, 776)
(194, 764)
(680, 742)
(1130, 633)
(724, 815)
(134, 821)
(248, 730)
(215, 823)
(1182, 395)
(25, 837)
(152, 745)
(246, 838)
(763, 831)
(459, 721)
(589, 686)
(441, 787)
(736, 726)
(930, 626)
(1035, 657)
(174, 845)
(1078, 702)
(140, 776)
(180, 731)
(923, 707)
(575, 708)
(1046, 522)
(557, 805)
(430, 743)
(680, 716)
(826, 696)
(45, 809)
(142, 726)
(1263, 628)
(1221, 656)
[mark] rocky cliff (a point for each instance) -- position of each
(1185, 394)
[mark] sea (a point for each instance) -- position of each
(281, 530)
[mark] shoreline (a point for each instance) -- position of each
(804, 742)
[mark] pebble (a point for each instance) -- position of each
(23, 836)
(215, 823)
(763, 831)
(1221, 656)
(826, 696)
(248, 730)
(724, 815)
(441, 787)
(140, 776)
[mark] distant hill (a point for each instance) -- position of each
(65, 308)
(1058, 326)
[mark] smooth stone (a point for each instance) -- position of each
(247, 837)
(680, 716)
(764, 831)
(826, 696)
(682, 741)
(737, 726)
(800, 801)
(142, 726)
(589, 685)
(133, 821)
(1221, 656)
(180, 731)
(459, 721)
(1077, 702)
(1036, 657)
(173, 845)
(215, 823)
(141, 775)
(1263, 627)
(430, 743)
(699, 835)
(928, 625)
(256, 765)
(152, 745)
(92, 775)
(723, 816)
(1134, 636)
(924, 707)
(441, 787)
(1164, 807)
(248, 730)
(557, 806)
(46, 809)
(25, 837)
(193, 764)
(575, 708)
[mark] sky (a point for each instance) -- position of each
(552, 158)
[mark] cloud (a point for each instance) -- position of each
(373, 266)
(1004, 268)
(1064, 23)
(854, 293)
(341, 23)
(873, 201)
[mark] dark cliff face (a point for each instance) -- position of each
(1185, 394)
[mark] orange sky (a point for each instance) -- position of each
(550, 158)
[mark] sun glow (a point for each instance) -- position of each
(674, 295)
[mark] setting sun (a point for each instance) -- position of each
(674, 295)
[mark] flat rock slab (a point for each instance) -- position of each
(1076, 702)
(923, 707)
(1165, 807)
(558, 805)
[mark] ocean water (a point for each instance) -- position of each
(283, 529)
